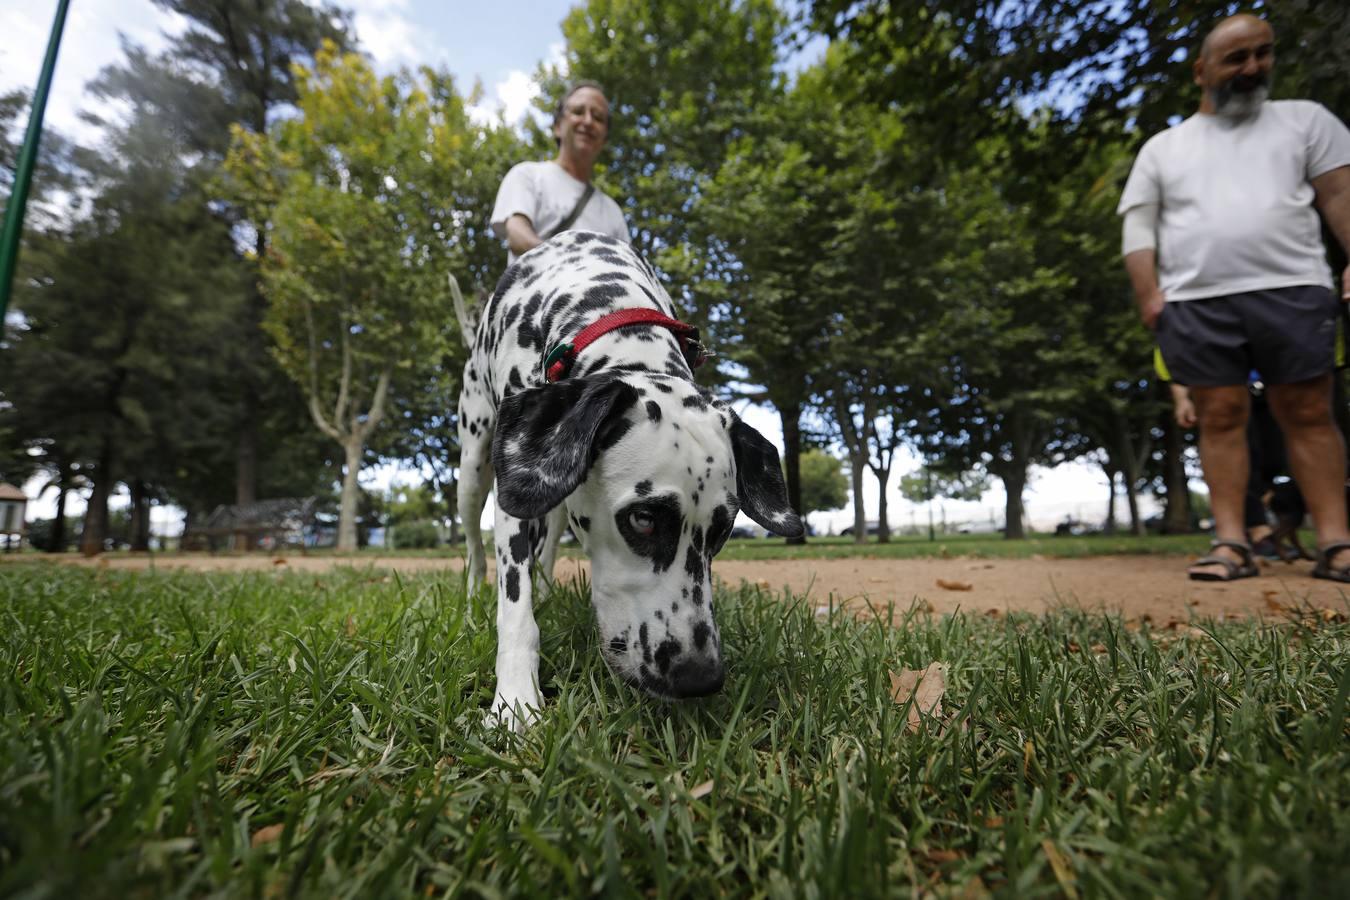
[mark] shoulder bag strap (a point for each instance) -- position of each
(576, 211)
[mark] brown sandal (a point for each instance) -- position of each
(1324, 569)
(1233, 571)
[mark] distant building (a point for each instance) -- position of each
(13, 505)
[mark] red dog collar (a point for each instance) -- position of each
(558, 363)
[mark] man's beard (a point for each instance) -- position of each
(1241, 95)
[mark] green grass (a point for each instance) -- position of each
(152, 726)
(984, 546)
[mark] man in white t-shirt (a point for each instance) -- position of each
(1224, 252)
(538, 199)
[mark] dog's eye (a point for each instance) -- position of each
(642, 522)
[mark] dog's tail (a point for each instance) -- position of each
(468, 321)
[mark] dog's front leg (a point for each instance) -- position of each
(517, 701)
(475, 480)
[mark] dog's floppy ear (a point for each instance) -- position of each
(759, 482)
(547, 437)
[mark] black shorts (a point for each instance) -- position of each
(1286, 334)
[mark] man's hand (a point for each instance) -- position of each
(1148, 297)
(1150, 309)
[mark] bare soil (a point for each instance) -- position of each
(1136, 586)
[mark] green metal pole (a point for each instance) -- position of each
(23, 175)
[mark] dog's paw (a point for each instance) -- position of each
(516, 713)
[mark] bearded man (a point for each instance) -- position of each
(1224, 251)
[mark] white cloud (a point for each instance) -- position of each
(387, 34)
(510, 99)
(89, 42)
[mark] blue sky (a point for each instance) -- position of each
(500, 43)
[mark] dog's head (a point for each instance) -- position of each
(653, 474)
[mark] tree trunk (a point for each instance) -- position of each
(58, 537)
(1177, 518)
(96, 514)
(346, 543)
(246, 460)
(791, 415)
(857, 464)
(1109, 526)
(1014, 482)
(140, 517)
(1132, 498)
(883, 475)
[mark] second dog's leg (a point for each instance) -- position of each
(475, 480)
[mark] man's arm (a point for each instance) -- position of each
(1183, 408)
(1139, 246)
(1143, 271)
(1332, 191)
(520, 235)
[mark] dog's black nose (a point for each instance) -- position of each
(697, 677)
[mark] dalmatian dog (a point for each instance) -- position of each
(579, 397)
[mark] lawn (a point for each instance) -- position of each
(984, 546)
(278, 734)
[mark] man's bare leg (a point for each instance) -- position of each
(1222, 413)
(1316, 452)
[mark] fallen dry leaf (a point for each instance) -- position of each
(279, 561)
(1073, 647)
(942, 855)
(926, 606)
(351, 627)
(993, 822)
(954, 585)
(1099, 648)
(1063, 872)
(994, 612)
(973, 890)
(926, 686)
(1273, 603)
(1327, 614)
(267, 835)
(1028, 757)
(702, 790)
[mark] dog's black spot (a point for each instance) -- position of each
(661, 542)
(666, 653)
(520, 544)
(693, 563)
(701, 633)
(653, 411)
(612, 434)
(697, 595)
(585, 366)
(674, 607)
(514, 379)
(696, 538)
(643, 488)
(663, 387)
(718, 530)
(512, 583)
(646, 647)
(618, 645)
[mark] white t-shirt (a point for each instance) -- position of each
(1235, 204)
(544, 193)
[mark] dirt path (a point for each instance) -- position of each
(1135, 585)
